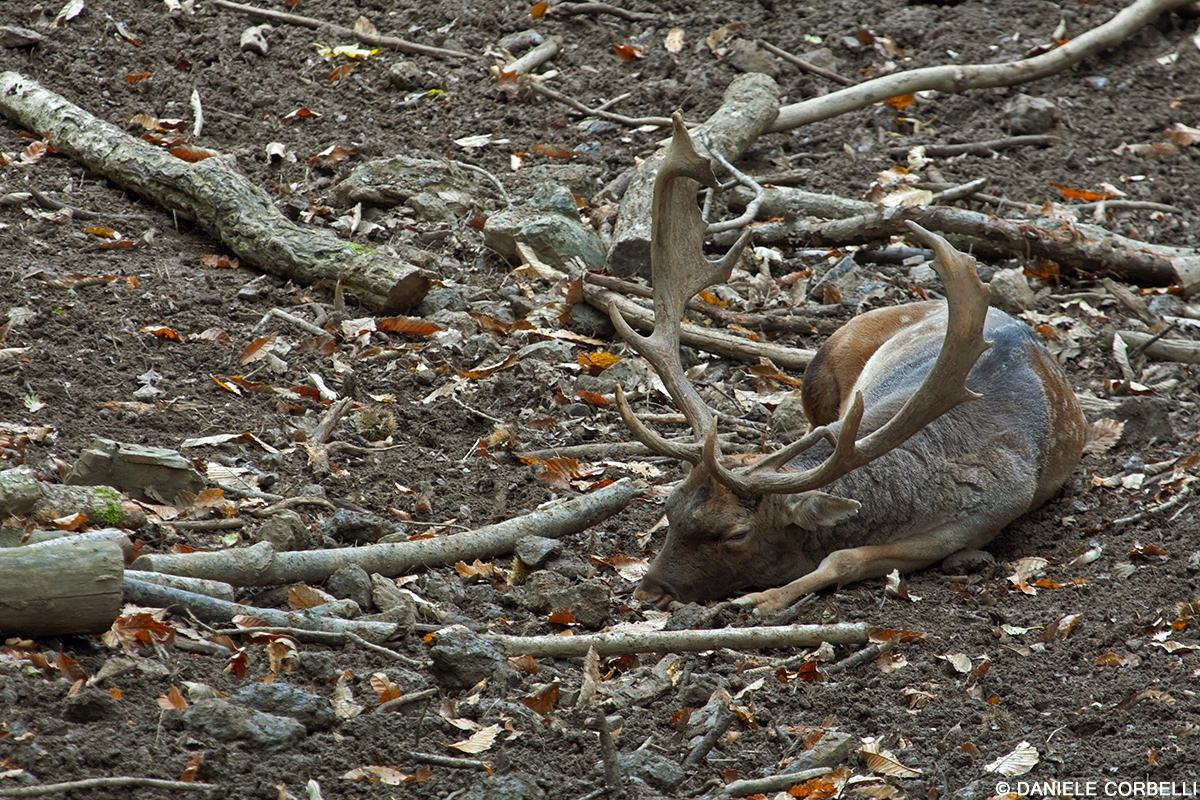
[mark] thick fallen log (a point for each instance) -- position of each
(260, 565)
(953, 78)
(66, 586)
(217, 197)
(751, 103)
(1074, 246)
(210, 609)
(1182, 351)
(691, 641)
(22, 493)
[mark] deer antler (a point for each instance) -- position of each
(679, 270)
(943, 389)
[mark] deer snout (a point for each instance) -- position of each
(655, 592)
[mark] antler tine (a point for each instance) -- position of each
(679, 270)
(647, 436)
(943, 388)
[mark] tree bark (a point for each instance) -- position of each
(217, 197)
(60, 587)
(751, 103)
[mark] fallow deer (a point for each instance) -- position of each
(932, 426)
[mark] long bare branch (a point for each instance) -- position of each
(954, 79)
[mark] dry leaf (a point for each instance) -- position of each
(959, 661)
(1022, 759)
(412, 326)
(1080, 194)
(627, 52)
(538, 10)
(718, 37)
(1183, 135)
(674, 40)
(388, 776)
(477, 742)
(595, 363)
(885, 763)
(385, 688)
(1103, 434)
(901, 102)
(162, 333)
(172, 700)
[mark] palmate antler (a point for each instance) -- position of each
(943, 388)
(680, 270)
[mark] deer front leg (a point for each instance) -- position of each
(870, 561)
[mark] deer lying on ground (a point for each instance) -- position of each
(932, 426)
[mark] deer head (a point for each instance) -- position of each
(733, 528)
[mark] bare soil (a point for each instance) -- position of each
(1096, 668)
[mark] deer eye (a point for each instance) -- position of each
(736, 535)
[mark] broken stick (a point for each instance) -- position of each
(215, 195)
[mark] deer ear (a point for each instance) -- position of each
(812, 510)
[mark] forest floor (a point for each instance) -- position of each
(1091, 673)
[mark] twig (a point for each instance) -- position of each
(862, 656)
(1168, 505)
(304, 325)
(594, 794)
(620, 119)
(1142, 346)
(533, 59)
(771, 783)
(954, 78)
(1183, 351)
(406, 700)
(105, 783)
(959, 192)
(201, 525)
(48, 202)
(720, 724)
(608, 750)
(495, 181)
(447, 761)
(686, 641)
(343, 33)
(1128, 205)
(573, 9)
(986, 148)
(412, 663)
(197, 114)
(806, 65)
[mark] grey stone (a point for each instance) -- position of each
(515, 786)
(147, 473)
(556, 236)
(462, 659)
(1031, 115)
(745, 55)
(832, 749)
(393, 181)
(555, 199)
(351, 582)
(789, 414)
(535, 594)
(571, 565)
(314, 712)
(1010, 290)
(535, 551)
(579, 179)
(393, 601)
(552, 351)
(430, 207)
(224, 721)
(1146, 420)
(285, 531)
(91, 705)
(441, 298)
(588, 602)
(354, 527)
(658, 771)
(590, 321)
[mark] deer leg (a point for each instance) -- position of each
(871, 561)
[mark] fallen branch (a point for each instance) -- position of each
(1178, 350)
(530, 61)
(693, 641)
(599, 113)
(805, 65)
(750, 103)
(210, 609)
(954, 78)
(343, 33)
(986, 148)
(573, 9)
(60, 587)
(706, 339)
(771, 783)
(21, 493)
(115, 782)
(215, 195)
(260, 565)
(221, 591)
(1088, 248)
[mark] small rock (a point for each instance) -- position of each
(535, 551)
(832, 749)
(588, 602)
(1146, 420)
(1031, 115)
(516, 786)
(430, 208)
(285, 531)
(391, 599)
(405, 76)
(571, 565)
(224, 721)
(255, 39)
(91, 705)
(552, 351)
(441, 298)
(923, 275)
(147, 473)
(462, 659)
(314, 712)
(351, 582)
(789, 414)
(1011, 291)
(658, 771)
(354, 527)
(556, 236)
(745, 55)
(521, 41)
(590, 321)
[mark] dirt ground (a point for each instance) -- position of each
(1095, 669)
